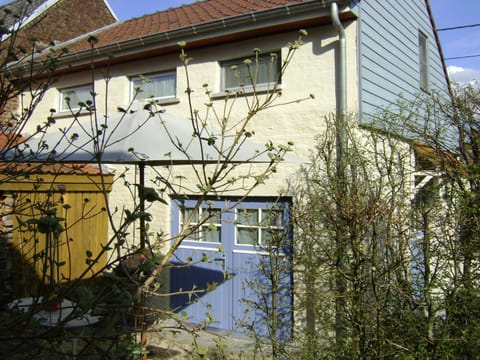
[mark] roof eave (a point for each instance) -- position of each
(296, 13)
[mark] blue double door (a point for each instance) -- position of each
(235, 265)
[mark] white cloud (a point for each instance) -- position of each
(463, 75)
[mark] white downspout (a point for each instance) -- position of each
(341, 93)
(341, 164)
(342, 61)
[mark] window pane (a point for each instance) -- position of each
(247, 236)
(186, 215)
(422, 51)
(233, 77)
(272, 236)
(211, 234)
(247, 216)
(236, 73)
(75, 96)
(272, 218)
(155, 86)
(195, 235)
(267, 71)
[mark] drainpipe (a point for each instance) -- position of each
(341, 62)
(341, 235)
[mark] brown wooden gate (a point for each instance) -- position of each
(71, 197)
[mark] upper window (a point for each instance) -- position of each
(260, 70)
(423, 60)
(72, 98)
(157, 85)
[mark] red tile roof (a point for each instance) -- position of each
(54, 169)
(10, 139)
(177, 18)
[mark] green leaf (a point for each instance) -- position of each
(149, 194)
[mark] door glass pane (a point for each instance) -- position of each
(247, 236)
(247, 217)
(272, 218)
(213, 216)
(211, 233)
(186, 215)
(272, 236)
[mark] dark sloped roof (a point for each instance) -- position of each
(20, 9)
(9, 140)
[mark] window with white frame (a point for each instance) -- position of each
(259, 226)
(260, 70)
(75, 97)
(423, 60)
(205, 224)
(161, 85)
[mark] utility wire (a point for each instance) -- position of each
(458, 27)
(462, 57)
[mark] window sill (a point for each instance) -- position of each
(247, 91)
(69, 114)
(158, 101)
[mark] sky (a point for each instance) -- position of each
(447, 13)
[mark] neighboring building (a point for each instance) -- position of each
(390, 51)
(49, 22)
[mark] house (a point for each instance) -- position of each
(359, 56)
(47, 21)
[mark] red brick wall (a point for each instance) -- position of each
(68, 19)
(10, 107)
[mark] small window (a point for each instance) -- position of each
(157, 86)
(259, 226)
(423, 60)
(70, 98)
(260, 71)
(205, 224)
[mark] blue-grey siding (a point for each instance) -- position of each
(389, 53)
